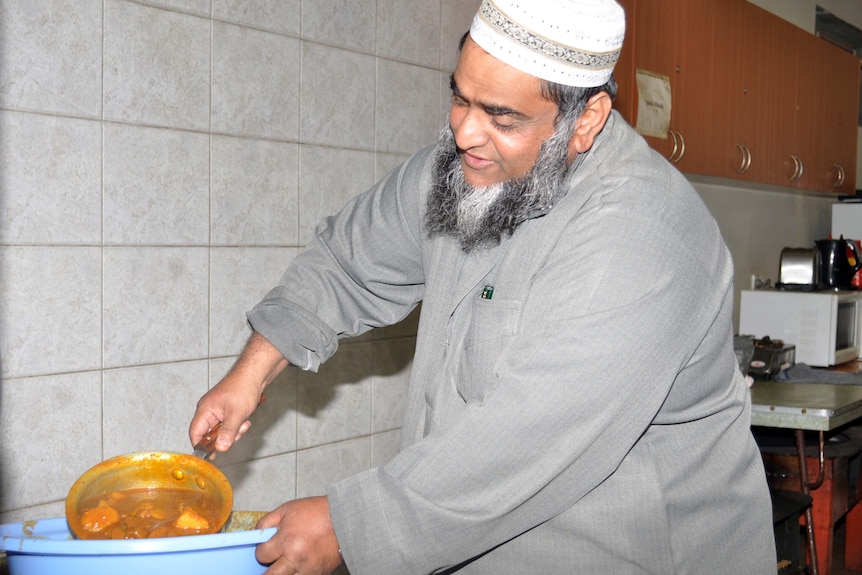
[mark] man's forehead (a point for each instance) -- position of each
(484, 78)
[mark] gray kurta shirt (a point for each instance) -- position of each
(588, 418)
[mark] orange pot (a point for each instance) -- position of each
(108, 485)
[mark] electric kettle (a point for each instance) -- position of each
(840, 260)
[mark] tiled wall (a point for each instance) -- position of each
(160, 164)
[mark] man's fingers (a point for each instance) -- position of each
(227, 437)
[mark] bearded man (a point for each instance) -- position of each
(575, 404)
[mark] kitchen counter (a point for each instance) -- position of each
(810, 406)
(823, 408)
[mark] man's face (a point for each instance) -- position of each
(498, 117)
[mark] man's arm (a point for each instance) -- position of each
(236, 396)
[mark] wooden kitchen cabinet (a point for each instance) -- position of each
(826, 116)
(696, 44)
(709, 75)
(799, 110)
(654, 50)
(811, 101)
(722, 103)
(768, 112)
(624, 72)
(838, 126)
(753, 97)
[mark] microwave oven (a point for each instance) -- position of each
(825, 326)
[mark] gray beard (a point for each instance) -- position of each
(479, 216)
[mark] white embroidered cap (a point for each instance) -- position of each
(571, 42)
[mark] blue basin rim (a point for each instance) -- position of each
(52, 537)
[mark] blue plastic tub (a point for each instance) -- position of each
(46, 547)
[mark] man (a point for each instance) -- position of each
(575, 403)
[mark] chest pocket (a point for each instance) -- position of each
(492, 323)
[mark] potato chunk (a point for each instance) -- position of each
(191, 519)
(99, 518)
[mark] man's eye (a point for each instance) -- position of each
(503, 123)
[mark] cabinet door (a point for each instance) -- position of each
(808, 157)
(695, 96)
(839, 118)
(713, 98)
(697, 44)
(624, 71)
(767, 119)
(655, 39)
(753, 97)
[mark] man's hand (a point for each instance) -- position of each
(305, 542)
(236, 396)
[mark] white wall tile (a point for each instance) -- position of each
(51, 56)
(262, 484)
(31, 512)
(255, 192)
(392, 362)
(155, 307)
(259, 100)
(455, 17)
(323, 189)
(156, 186)
(156, 66)
(239, 278)
(50, 310)
(335, 403)
(149, 408)
(408, 98)
(197, 7)
(335, 112)
(409, 31)
(346, 23)
(51, 433)
(319, 467)
(445, 99)
(51, 179)
(275, 15)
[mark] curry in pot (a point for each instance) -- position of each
(147, 513)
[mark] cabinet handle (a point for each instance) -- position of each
(681, 149)
(746, 159)
(797, 172)
(840, 180)
(675, 145)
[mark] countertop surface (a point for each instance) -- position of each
(812, 406)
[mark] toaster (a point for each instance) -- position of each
(799, 269)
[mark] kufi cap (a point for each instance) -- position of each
(570, 42)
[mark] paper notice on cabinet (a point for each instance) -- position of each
(653, 104)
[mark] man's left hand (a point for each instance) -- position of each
(305, 542)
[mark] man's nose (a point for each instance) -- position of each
(468, 127)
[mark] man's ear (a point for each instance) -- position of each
(590, 123)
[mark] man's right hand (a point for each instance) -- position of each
(235, 397)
